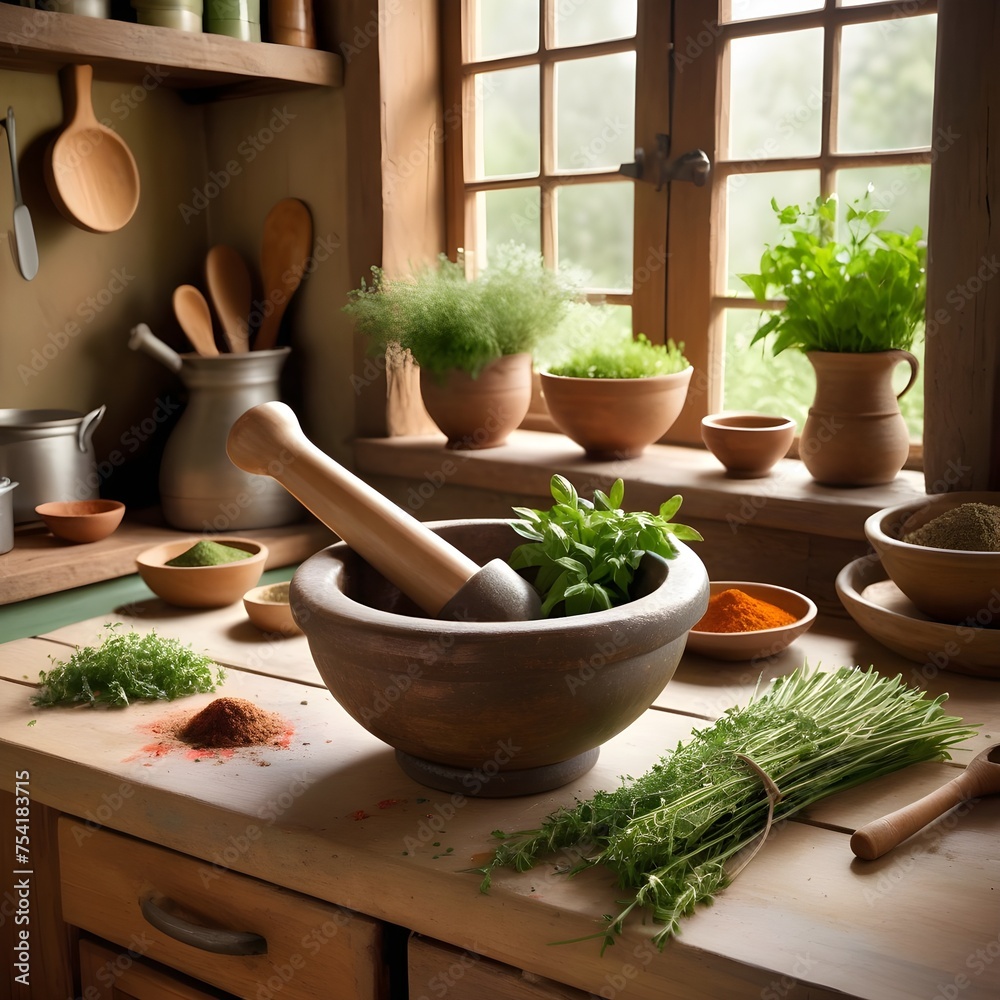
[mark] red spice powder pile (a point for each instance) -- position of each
(232, 722)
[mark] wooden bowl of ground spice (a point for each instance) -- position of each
(750, 621)
(202, 572)
(943, 553)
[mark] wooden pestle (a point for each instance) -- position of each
(267, 440)
(981, 777)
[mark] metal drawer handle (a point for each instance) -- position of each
(214, 939)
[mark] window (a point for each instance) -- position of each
(789, 98)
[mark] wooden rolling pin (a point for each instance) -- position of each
(268, 441)
(981, 777)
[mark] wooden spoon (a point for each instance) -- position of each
(90, 171)
(230, 289)
(284, 253)
(268, 441)
(195, 318)
(981, 777)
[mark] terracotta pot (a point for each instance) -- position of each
(615, 418)
(854, 434)
(493, 708)
(480, 411)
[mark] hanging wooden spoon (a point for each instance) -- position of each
(195, 318)
(229, 286)
(284, 253)
(981, 777)
(90, 171)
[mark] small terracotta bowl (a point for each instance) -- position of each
(81, 520)
(761, 643)
(747, 444)
(201, 586)
(269, 609)
(948, 585)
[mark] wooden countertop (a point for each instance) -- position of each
(805, 919)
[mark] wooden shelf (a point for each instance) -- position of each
(205, 66)
(41, 564)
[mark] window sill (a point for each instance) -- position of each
(788, 499)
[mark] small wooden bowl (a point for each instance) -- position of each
(760, 643)
(201, 586)
(747, 444)
(269, 609)
(81, 520)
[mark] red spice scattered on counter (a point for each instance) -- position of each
(232, 722)
(386, 803)
(359, 814)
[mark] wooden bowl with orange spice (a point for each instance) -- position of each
(750, 621)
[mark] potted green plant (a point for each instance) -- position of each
(609, 392)
(472, 339)
(853, 308)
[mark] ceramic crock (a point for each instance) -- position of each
(51, 454)
(855, 434)
(200, 488)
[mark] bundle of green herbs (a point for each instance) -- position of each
(667, 836)
(125, 667)
(447, 322)
(865, 294)
(585, 553)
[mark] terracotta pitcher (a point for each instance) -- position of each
(854, 434)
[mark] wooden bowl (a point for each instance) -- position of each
(492, 708)
(761, 643)
(948, 585)
(81, 520)
(201, 586)
(747, 444)
(268, 608)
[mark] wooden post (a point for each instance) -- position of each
(962, 379)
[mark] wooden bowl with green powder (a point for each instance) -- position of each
(202, 572)
(943, 553)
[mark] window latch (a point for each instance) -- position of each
(693, 166)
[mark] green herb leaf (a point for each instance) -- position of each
(585, 554)
(128, 666)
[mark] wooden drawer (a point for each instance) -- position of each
(438, 970)
(312, 948)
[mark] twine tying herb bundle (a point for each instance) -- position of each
(667, 836)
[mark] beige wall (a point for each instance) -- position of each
(63, 336)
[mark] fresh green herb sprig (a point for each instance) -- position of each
(668, 834)
(867, 294)
(128, 666)
(586, 553)
(623, 358)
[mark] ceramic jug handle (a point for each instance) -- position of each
(914, 371)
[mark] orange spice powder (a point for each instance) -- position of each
(734, 611)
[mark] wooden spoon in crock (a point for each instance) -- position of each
(195, 318)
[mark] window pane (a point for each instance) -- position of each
(904, 192)
(508, 215)
(776, 95)
(583, 325)
(886, 84)
(757, 380)
(594, 233)
(863, 3)
(747, 10)
(595, 112)
(751, 222)
(581, 22)
(505, 28)
(507, 102)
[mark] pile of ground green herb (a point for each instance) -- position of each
(208, 553)
(970, 527)
(128, 666)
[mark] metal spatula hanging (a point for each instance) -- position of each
(24, 234)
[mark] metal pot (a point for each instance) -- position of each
(6, 515)
(51, 453)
